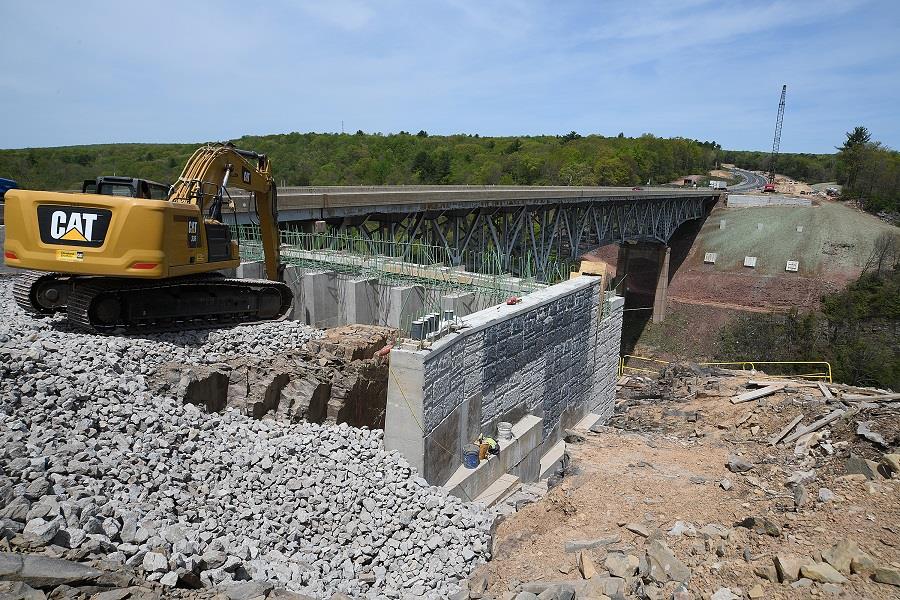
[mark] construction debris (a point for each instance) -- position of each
(724, 499)
(829, 418)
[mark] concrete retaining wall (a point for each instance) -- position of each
(742, 201)
(552, 356)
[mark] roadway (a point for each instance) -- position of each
(752, 181)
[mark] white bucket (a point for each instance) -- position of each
(504, 431)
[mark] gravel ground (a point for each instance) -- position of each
(94, 466)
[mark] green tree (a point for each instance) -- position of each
(853, 154)
(513, 147)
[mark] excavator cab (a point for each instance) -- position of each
(110, 185)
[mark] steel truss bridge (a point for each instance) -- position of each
(537, 226)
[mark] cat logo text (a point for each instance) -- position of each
(73, 226)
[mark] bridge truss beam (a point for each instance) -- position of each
(528, 240)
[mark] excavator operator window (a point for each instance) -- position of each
(116, 189)
(159, 192)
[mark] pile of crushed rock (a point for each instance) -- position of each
(97, 467)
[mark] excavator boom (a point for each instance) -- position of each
(211, 170)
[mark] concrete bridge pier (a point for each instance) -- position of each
(645, 267)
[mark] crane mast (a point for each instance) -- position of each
(776, 143)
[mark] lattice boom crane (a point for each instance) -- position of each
(776, 143)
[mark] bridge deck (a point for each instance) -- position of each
(328, 203)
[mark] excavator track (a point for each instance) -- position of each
(29, 291)
(193, 302)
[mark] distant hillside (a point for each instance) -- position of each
(364, 159)
(811, 168)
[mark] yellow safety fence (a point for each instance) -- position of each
(648, 366)
(821, 370)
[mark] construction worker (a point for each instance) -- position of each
(487, 445)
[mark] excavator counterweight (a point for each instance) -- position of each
(144, 264)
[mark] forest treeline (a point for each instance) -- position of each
(869, 171)
(301, 159)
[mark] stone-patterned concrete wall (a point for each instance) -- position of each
(537, 361)
(553, 356)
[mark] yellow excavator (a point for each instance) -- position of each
(138, 264)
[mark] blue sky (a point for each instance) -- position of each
(127, 71)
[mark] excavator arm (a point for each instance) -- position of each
(214, 167)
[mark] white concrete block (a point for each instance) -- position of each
(500, 490)
(552, 459)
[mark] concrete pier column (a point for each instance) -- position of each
(461, 304)
(404, 413)
(645, 267)
(251, 270)
(319, 304)
(361, 301)
(661, 294)
(406, 304)
(293, 277)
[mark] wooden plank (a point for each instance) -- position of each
(791, 382)
(861, 397)
(825, 391)
(859, 390)
(623, 380)
(787, 429)
(832, 416)
(754, 394)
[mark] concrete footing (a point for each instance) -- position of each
(517, 457)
